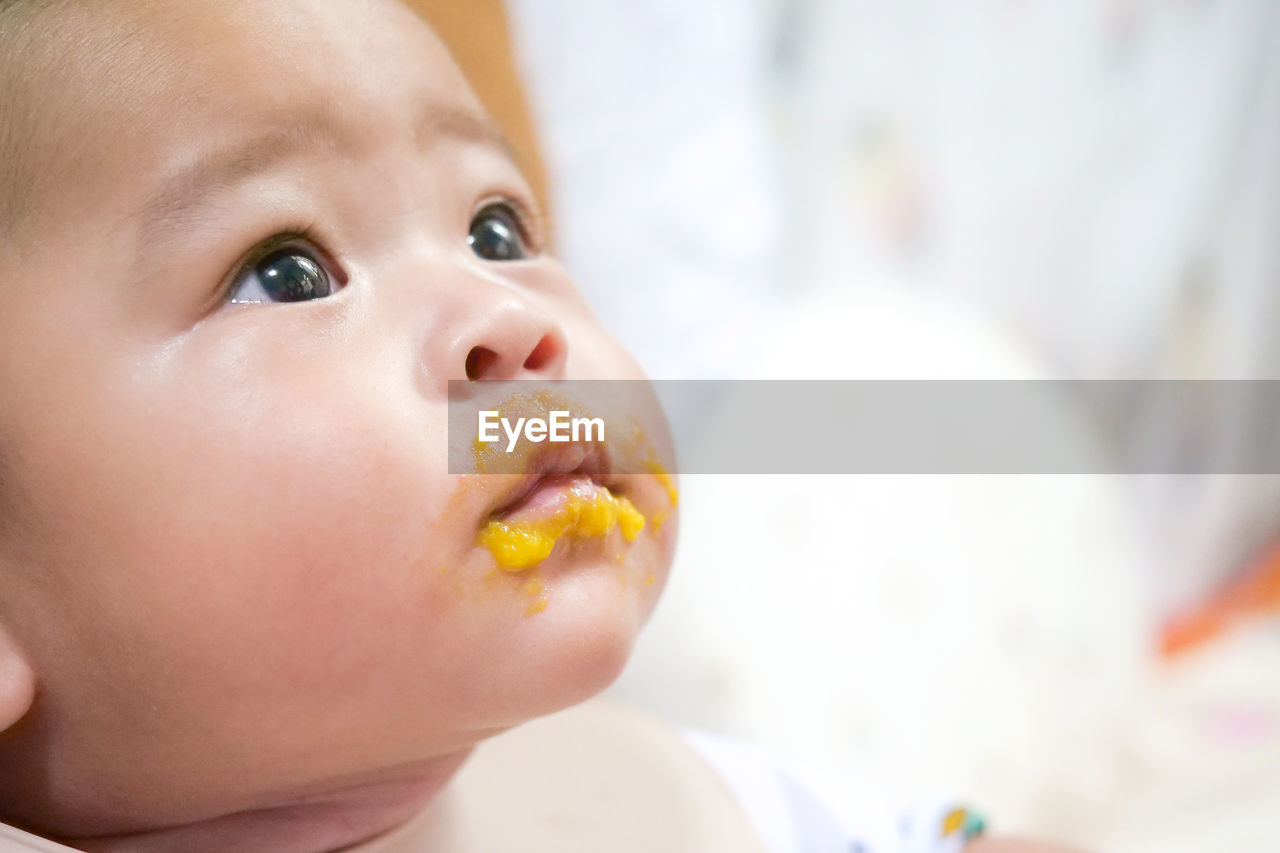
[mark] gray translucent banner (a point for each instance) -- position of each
(875, 427)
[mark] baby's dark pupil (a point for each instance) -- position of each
(495, 236)
(288, 276)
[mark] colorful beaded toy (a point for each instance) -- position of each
(941, 827)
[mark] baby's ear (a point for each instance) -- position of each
(17, 682)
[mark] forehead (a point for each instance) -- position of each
(237, 49)
(119, 84)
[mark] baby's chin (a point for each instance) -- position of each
(562, 628)
(577, 646)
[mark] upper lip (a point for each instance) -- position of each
(587, 459)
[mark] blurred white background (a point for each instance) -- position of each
(930, 189)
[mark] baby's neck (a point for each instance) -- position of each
(328, 822)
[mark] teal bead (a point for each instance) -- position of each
(974, 825)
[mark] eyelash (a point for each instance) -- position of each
(528, 217)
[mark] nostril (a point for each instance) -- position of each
(479, 361)
(543, 354)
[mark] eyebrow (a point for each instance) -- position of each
(173, 206)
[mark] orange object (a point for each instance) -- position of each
(1255, 593)
(478, 35)
(520, 545)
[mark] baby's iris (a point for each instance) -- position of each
(285, 275)
(497, 234)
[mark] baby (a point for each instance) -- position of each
(244, 246)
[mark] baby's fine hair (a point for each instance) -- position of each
(16, 19)
(18, 169)
(20, 96)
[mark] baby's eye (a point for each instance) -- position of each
(497, 234)
(291, 273)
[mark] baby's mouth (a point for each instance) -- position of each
(565, 496)
(557, 491)
(555, 464)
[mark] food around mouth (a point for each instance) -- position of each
(588, 511)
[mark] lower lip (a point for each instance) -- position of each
(549, 496)
(558, 507)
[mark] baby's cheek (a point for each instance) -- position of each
(286, 531)
(336, 559)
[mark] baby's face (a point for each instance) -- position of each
(234, 556)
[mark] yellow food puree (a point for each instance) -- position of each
(524, 544)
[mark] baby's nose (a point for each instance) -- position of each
(509, 338)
